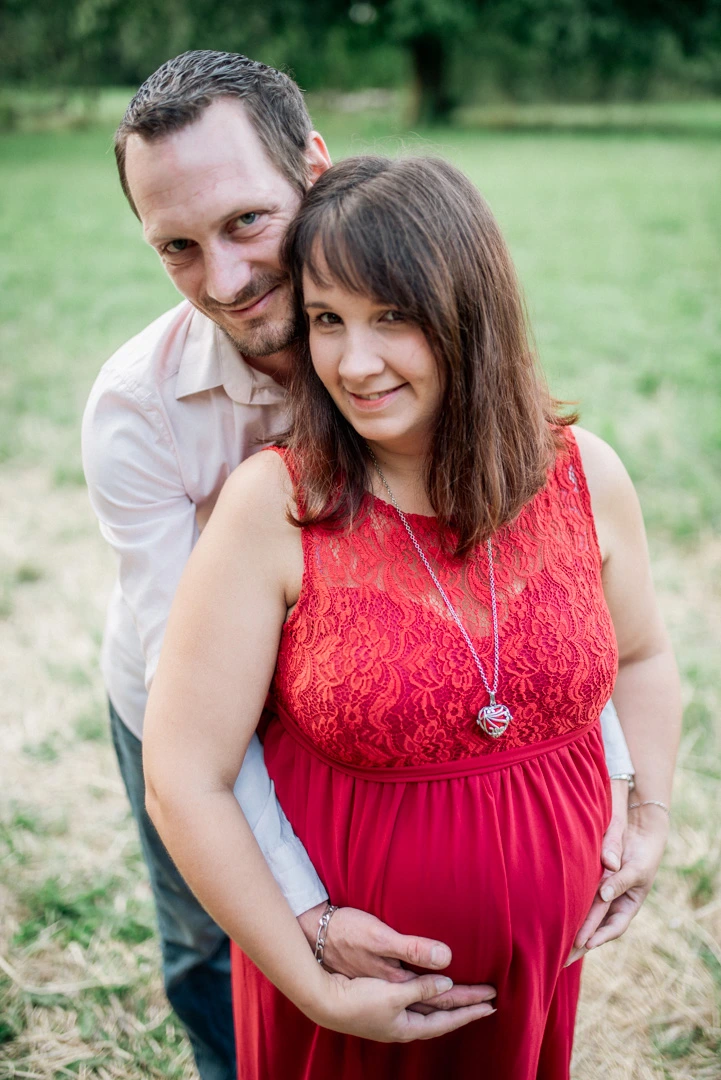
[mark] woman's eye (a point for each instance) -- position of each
(248, 219)
(393, 316)
(328, 319)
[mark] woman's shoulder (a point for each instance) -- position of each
(613, 498)
(605, 473)
(259, 490)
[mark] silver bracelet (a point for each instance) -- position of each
(624, 776)
(650, 802)
(323, 930)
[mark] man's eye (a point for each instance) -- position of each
(176, 246)
(249, 218)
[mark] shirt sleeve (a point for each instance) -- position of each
(136, 489)
(618, 758)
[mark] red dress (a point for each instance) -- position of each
(408, 811)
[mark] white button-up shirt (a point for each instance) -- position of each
(171, 414)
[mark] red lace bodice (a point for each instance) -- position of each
(373, 669)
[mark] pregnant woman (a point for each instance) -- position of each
(441, 582)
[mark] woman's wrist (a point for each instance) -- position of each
(648, 816)
(640, 804)
(313, 990)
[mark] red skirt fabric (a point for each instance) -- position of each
(497, 855)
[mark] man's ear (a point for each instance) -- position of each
(317, 156)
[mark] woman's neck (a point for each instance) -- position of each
(405, 476)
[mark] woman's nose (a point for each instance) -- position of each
(360, 357)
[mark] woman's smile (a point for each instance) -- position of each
(375, 401)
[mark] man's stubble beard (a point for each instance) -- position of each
(262, 340)
(261, 336)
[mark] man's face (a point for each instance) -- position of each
(216, 211)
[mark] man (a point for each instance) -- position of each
(214, 154)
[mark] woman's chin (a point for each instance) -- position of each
(391, 437)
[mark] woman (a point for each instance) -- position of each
(468, 581)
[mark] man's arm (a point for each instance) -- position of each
(618, 762)
(136, 489)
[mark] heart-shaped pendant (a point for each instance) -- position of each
(494, 719)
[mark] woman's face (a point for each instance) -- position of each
(377, 366)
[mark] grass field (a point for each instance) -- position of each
(617, 237)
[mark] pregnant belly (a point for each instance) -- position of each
(501, 864)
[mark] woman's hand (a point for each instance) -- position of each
(621, 894)
(360, 945)
(382, 1011)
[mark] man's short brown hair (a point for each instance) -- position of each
(178, 92)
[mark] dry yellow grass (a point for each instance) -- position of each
(96, 1009)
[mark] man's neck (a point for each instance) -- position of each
(277, 365)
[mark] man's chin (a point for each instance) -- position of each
(263, 340)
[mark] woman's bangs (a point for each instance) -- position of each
(342, 252)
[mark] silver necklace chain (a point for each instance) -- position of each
(494, 718)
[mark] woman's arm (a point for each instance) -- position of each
(215, 669)
(647, 693)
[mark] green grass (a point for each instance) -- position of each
(614, 221)
(80, 910)
(617, 241)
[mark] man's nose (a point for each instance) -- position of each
(360, 357)
(227, 273)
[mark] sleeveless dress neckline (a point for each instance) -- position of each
(408, 812)
(378, 500)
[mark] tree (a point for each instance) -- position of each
(430, 29)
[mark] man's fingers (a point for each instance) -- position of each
(418, 951)
(612, 846)
(598, 912)
(614, 925)
(617, 884)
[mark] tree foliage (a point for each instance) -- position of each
(451, 48)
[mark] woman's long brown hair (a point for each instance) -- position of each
(414, 233)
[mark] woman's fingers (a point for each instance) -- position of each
(616, 922)
(386, 1012)
(424, 989)
(460, 996)
(421, 989)
(440, 1023)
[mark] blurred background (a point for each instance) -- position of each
(593, 127)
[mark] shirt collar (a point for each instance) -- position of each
(210, 360)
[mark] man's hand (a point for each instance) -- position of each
(611, 854)
(359, 945)
(612, 846)
(621, 894)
